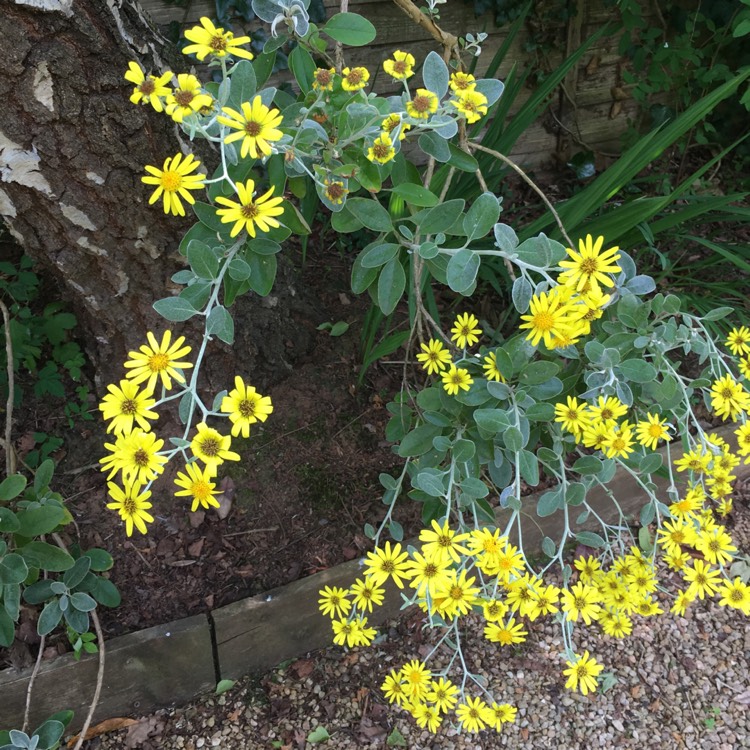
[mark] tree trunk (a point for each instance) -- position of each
(72, 152)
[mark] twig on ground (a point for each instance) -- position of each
(350, 423)
(250, 531)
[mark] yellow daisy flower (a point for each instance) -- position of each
(323, 79)
(590, 267)
(422, 105)
(582, 673)
(401, 66)
(211, 447)
(465, 331)
(256, 125)
(127, 405)
(250, 212)
(382, 150)
(132, 505)
(174, 181)
(354, 79)
(245, 406)
(187, 98)
(209, 40)
(148, 89)
(434, 356)
(157, 360)
(197, 484)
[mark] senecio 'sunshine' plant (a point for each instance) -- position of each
(590, 384)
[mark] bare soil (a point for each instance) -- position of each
(306, 485)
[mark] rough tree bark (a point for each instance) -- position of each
(72, 151)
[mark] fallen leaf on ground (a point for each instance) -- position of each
(195, 548)
(225, 498)
(108, 725)
(303, 667)
(197, 518)
(139, 732)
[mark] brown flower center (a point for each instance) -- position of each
(422, 103)
(336, 191)
(246, 408)
(184, 98)
(249, 211)
(323, 77)
(218, 43)
(140, 457)
(128, 406)
(589, 266)
(210, 446)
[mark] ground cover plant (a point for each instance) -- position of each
(589, 384)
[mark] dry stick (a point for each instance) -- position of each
(250, 531)
(466, 146)
(447, 184)
(420, 312)
(339, 49)
(449, 41)
(10, 468)
(10, 456)
(100, 671)
(30, 686)
(529, 182)
(99, 682)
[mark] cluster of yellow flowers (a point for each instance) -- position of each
(254, 125)
(481, 573)
(559, 317)
(137, 454)
(187, 97)
(595, 425)
(729, 400)
(438, 574)
(435, 358)
(562, 315)
(421, 105)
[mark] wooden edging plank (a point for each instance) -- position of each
(170, 664)
(143, 671)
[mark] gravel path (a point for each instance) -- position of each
(682, 682)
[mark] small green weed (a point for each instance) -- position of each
(42, 341)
